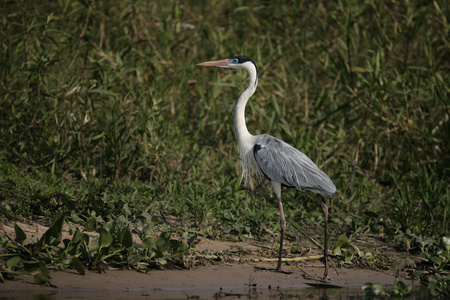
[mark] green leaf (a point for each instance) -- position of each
(399, 264)
(41, 279)
(342, 242)
(192, 239)
(373, 289)
(91, 224)
(160, 261)
(126, 210)
(125, 238)
(85, 238)
(31, 266)
(174, 244)
(13, 261)
(20, 235)
(106, 238)
(53, 235)
(42, 276)
(78, 265)
(241, 8)
(76, 236)
(148, 242)
(162, 244)
(110, 226)
(69, 225)
(42, 270)
(103, 92)
(182, 249)
(75, 218)
(297, 227)
(446, 243)
(400, 288)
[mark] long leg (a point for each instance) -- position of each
(325, 231)
(283, 230)
(277, 188)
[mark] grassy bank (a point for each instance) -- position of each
(105, 115)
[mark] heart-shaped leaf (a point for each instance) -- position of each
(20, 235)
(106, 238)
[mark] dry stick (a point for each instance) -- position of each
(333, 265)
(294, 259)
(301, 258)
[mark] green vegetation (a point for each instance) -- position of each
(107, 122)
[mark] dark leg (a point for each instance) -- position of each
(277, 188)
(325, 237)
(325, 231)
(283, 229)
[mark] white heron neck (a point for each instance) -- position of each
(244, 138)
(251, 173)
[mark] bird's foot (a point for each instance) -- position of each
(313, 277)
(283, 272)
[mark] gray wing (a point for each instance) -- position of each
(281, 162)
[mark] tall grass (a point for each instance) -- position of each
(105, 96)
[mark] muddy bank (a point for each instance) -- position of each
(203, 282)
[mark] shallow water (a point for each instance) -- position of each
(246, 293)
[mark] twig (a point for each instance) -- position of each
(294, 259)
(333, 265)
(301, 258)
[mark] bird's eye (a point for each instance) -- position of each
(234, 61)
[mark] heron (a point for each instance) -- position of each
(264, 156)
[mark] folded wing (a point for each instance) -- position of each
(283, 163)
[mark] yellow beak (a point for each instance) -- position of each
(215, 63)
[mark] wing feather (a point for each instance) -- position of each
(281, 162)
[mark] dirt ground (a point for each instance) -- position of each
(241, 272)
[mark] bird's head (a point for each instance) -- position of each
(237, 62)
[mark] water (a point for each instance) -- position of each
(238, 293)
